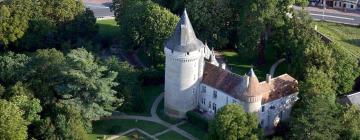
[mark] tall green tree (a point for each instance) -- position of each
(214, 21)
(12, 68)
(316, 119)
(145, 25)
(232, 123)
(12, 125)
(351, 119)
(128, 84)
(23, 97)
(14, 16)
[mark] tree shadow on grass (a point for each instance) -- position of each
(355, 42)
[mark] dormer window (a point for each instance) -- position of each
(187, 53)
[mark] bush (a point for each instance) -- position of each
(198, 120)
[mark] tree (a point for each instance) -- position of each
(214, 21)
(346, 69)
(12, 125)
(316, 119)
(69, 122)
(12, 68)
(128, 84)
(24, 99)
(146, 25)
(14, 16)
(232, 123)
(351, 119)
(175, 6)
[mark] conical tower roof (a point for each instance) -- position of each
(253, 86)
(183, 38)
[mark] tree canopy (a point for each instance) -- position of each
(232, 123)
(144, 25)
(12, 125)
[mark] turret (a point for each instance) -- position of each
(183, 69)
(252, 95)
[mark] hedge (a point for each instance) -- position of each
(197, 119)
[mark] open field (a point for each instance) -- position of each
(347, 37)
(108, 29)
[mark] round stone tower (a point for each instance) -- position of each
(183, 69)
(252, 95)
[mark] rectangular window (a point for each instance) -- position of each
(209, 104)
(262, 108)
(203, 89)
(214, 107)
(203, 101)
(215, 94)
(352, 6)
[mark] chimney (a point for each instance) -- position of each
(268, 78)
(223, 66)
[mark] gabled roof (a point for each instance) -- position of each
(221, 79)
(235, 85)
(183, 38)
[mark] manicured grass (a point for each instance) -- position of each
(171, 136)
(241, 64)
(135, 135)
(195, 131)
(104, 127)
(347, 37)
(149, 94)
(108, 28)
(160, 112)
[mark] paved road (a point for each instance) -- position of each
(100, 10)
(332, 15)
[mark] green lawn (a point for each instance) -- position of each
(149, 94)
(108, 127)
(108, 28)
(171, 135)
(241, 64)
(160, 112)
(347, 37)
(195, 131)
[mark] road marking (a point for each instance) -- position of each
(333, 16)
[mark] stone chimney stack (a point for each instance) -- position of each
(223, 66)
(268, 78)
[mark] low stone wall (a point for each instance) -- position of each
(324, 38)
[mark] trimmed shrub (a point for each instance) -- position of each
(197, 119)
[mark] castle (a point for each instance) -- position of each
(194, 79)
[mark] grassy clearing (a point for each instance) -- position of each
(195, 131)
(149, 94)
(347, 37)
(160, 112)
(108, 28)
(241, 64)
(108, 127)
(171, 136)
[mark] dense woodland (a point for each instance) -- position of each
(53, 83)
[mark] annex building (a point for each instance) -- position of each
(194, 79)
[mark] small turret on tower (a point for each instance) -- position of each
(252, 95)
